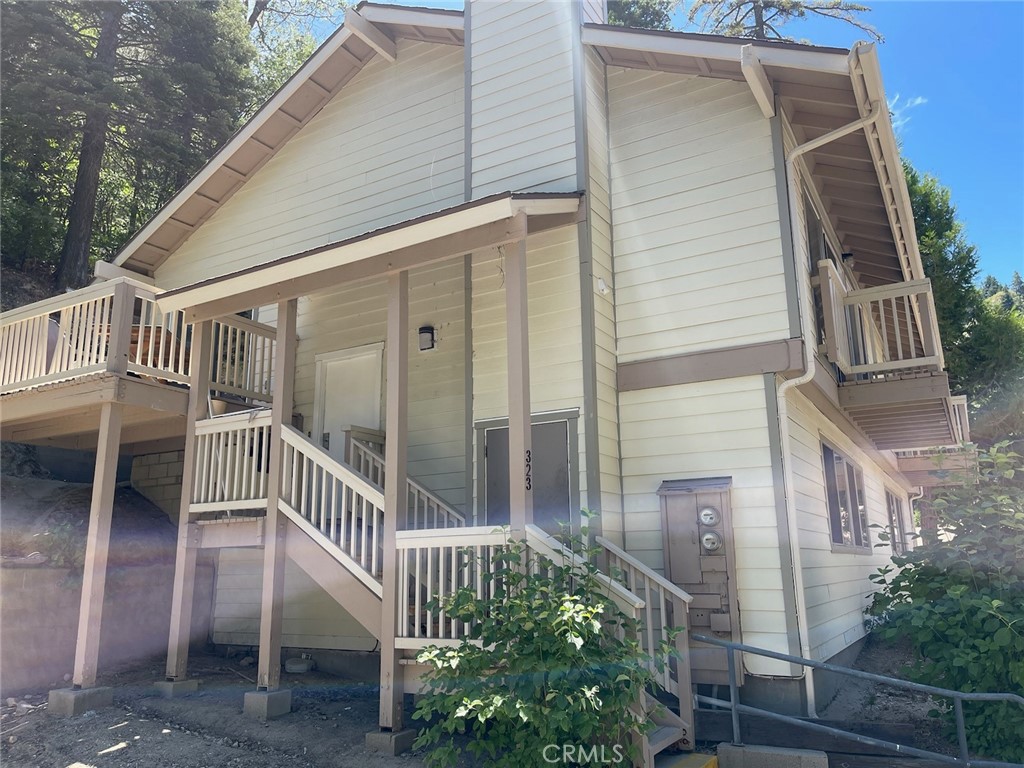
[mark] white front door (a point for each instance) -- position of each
(348, 393)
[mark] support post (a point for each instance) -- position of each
(94, 577)
(185, 558)
(520, 449)
(272, 603)
(395, 495)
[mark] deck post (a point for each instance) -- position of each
(185, 559)
(395, 498)
(520, 449)
(268, 678)
(97, 547)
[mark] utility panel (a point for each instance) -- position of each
(700, 557)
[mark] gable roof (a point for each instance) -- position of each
(369, 30)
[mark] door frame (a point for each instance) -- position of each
(322, 360)
(569, 415)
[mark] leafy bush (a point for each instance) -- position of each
(960, 600)
(553, 664)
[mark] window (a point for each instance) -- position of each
(897, 531)
(844, 494)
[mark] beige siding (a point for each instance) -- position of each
(698, 254)
(836, 583)
(556, 346)
(595, 11)
(523, 114)
(356, 315)
(599, 197)
(387, 148)
(710, 429)
(311, 618)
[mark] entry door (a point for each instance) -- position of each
(348, 391)
(552, 495)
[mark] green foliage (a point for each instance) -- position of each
(552, 664)
(764, 19)
(960, 600)
(178, 85)
(642, 14)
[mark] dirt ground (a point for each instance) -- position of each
(327, 726)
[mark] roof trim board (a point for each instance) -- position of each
(348, 50)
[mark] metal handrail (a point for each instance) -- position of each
(959, 697)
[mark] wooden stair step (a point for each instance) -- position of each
(663, 737)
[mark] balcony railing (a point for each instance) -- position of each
(881, 330)
(117, 327)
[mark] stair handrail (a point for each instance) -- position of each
(417, 488)
(366, 489)
(548, 546)
(650, 573)
(959, 697)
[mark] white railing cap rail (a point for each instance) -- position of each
(89, 292)
(237, 321)
(551, 548)
(653, 575)
(479, 535)
(352, 479)
(227, 421)
(361, 441)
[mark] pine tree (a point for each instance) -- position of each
(642, 14)
(764, 19)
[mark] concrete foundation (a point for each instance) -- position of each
(732, 756)
(69, 702)
(390, 742)
(172, 689)
(266, 705)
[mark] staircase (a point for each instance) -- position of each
(335, 520)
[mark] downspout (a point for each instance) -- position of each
(808, 373)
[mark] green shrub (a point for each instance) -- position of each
(960, 601)
(553, 665)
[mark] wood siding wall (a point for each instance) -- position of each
(710, 429)
(387, 148)
(698, 252)
(556, 346)
(600, 225)
(523, 120)
(311, 618)
(836, 583)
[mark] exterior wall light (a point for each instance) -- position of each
(427, 338)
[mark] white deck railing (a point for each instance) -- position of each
(879, 330)
(665, 606)
(117, 327)
(334, 500)
(232, 462)
(426, 508)
(113, 326)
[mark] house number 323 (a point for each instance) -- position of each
(529, 470)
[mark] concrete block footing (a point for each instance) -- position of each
(390, 742)
(172, 689)
(266, 705)
(69, 702)
(752, 756)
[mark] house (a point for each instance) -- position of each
(493, 267)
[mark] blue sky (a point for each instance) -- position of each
(954, 76)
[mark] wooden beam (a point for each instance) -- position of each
(107, 271)
(97, 547)
(396, 447)
(188, 544)
(847, 175)
(862, 215)
(894, 391)
(520, 447)
(303, 284)
(815, 93)
(268, 673)
(371, 35)
(757, 79)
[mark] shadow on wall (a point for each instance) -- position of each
(39, 620)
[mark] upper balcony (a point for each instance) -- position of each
(61, 358)
(884, 345)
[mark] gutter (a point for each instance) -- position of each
(806, 326)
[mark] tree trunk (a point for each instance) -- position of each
(759, 30)
(73, 271)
